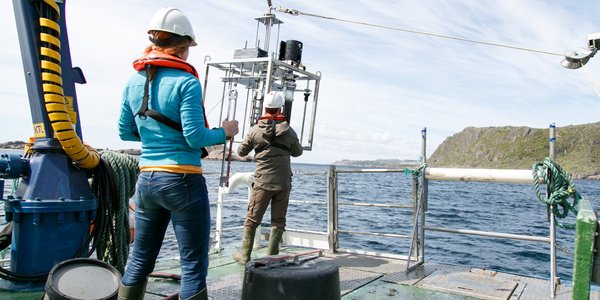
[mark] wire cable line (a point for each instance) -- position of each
(297, 13)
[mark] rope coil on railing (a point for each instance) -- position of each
(416, 172)
(561, 188)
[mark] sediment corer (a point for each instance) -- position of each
(306, 95)
(231, 107)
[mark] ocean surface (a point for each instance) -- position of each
(499, 207)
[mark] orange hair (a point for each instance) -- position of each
(178, 45)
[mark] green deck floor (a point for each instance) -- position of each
(361, 277)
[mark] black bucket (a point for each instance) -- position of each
(309, 281)
(83, 278)
(290, 50)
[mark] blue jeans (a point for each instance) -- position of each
(183, 199)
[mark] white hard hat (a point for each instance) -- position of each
(273, 100)
(172, 20)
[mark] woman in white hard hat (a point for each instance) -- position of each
(170, 185)
(273, 142)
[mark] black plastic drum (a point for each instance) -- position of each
(83, 278)
(290, 50)
(309, 281)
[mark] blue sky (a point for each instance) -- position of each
(379, 87)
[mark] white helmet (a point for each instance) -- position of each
(273, 100)
(172, 20)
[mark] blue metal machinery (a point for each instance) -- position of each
(54, 204)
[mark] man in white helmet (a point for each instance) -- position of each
(273, 142)
(163, 109)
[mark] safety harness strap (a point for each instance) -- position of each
(144, 111)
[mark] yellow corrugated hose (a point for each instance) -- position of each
(82, 154)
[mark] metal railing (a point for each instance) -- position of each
(329, 240)
(292, 236)
(420, 197)
(333, 211)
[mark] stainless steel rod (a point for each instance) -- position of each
(376, 170)
(376, 205)
(492, 234)
(404, 236)
(480, 175)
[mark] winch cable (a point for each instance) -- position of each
(296, 12)
(60, 117)
(11, 276)
(561, 187)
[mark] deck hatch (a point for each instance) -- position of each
(351, 279)
(482, 286)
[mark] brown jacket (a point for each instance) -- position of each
(272, 153)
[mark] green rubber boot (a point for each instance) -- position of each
(202, 295)
(133, 292)
(243, 255)
(274, 240)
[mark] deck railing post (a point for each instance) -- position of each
(420, 202)
(554, 279)
(219, 219)
(332, 209)
(424, 195)
(416, 212)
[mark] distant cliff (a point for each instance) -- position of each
(577, 148)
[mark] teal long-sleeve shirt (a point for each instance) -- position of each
(177, 95)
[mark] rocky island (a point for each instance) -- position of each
(508, 147)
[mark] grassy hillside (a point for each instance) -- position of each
(577, 148)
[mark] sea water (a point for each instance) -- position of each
(497, 207)
(494, 207)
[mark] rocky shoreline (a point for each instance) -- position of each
(214, 152)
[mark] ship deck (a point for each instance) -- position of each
(361, 277)
(374, 277)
